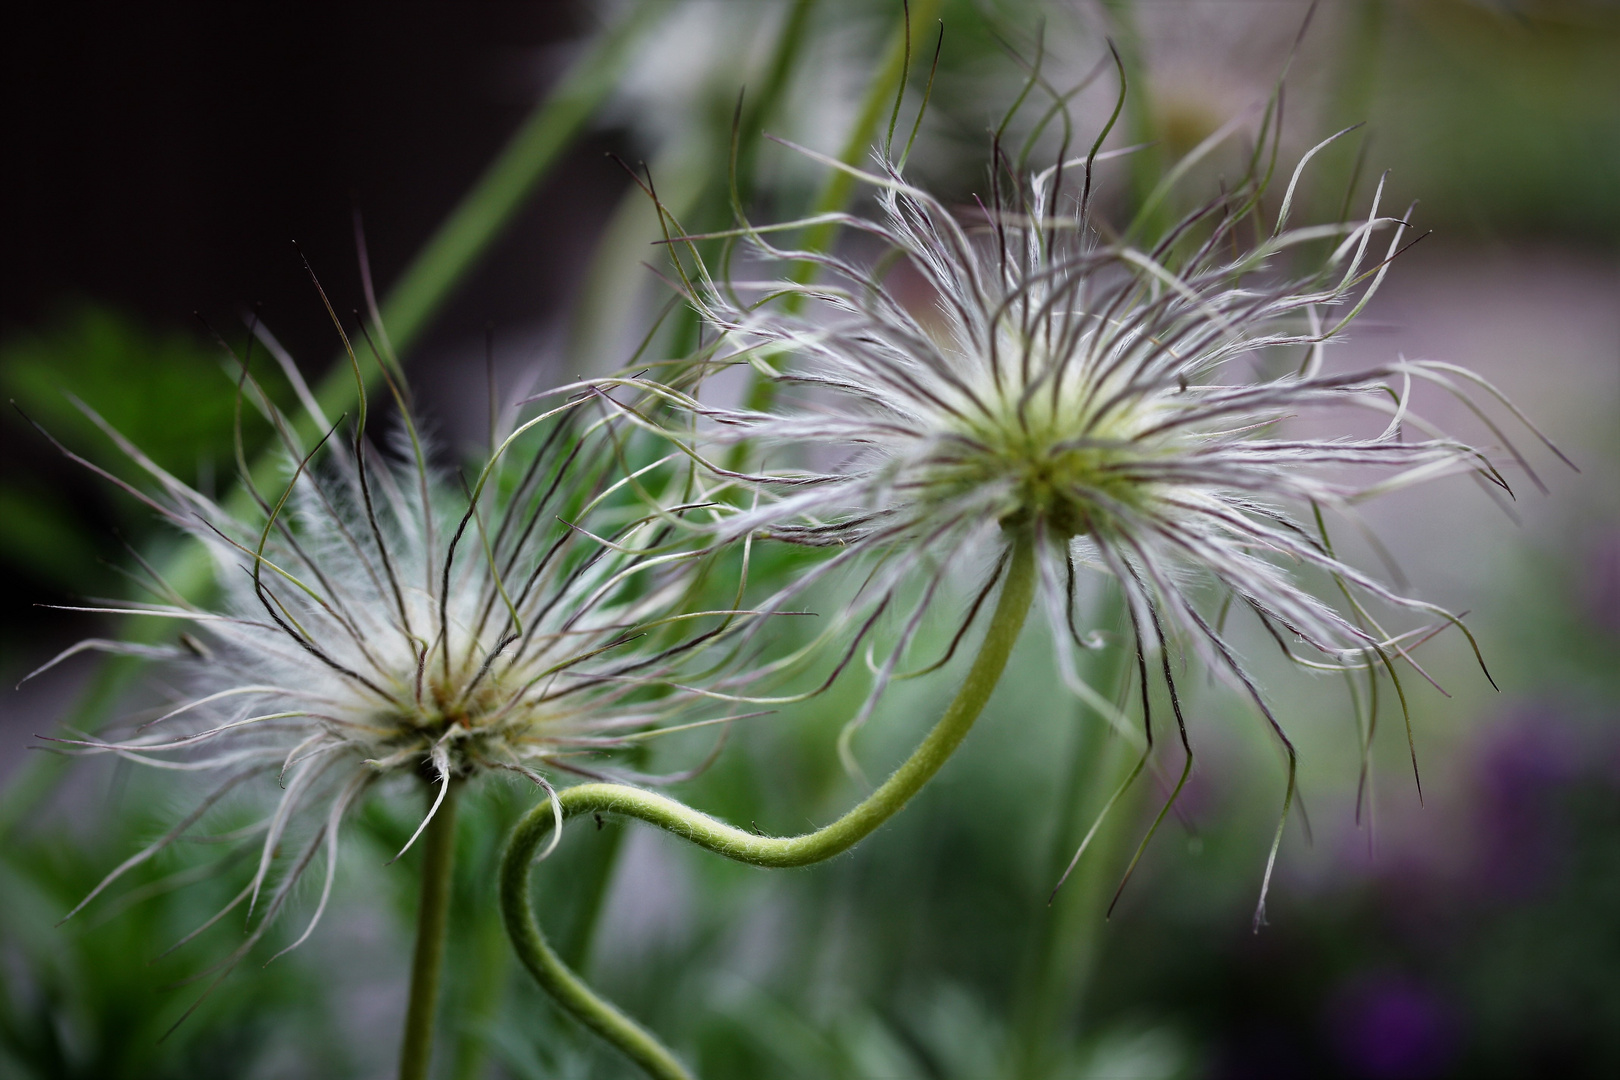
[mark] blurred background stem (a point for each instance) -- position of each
(838, 186)
(904, 49)
(480, 1010)
(1148, 164)
(1062, 950)
(687, 183)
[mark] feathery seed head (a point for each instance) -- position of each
(1126, 401)
(1160, 410)
(373, 621)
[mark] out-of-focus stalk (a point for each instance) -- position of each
(616, 279)
(1147, 165)
(839, 185)
(1062, 948)
(486, 988)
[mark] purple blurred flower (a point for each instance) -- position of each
(1388, 1026)
(1603, 581)
(1519, 777)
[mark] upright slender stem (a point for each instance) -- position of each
(432, 916)
(602, 1016)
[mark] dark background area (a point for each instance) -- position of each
(165, 158)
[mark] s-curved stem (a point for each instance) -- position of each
(601, 1016)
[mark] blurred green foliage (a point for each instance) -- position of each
(169, 393)
(41, 534)
(96, 998)
(1503, 120)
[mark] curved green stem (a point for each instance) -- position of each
(535, 827)
(432, 917)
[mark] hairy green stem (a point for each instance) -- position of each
(601, 1016)
(410, 306)
(480, 997)
(432, 917)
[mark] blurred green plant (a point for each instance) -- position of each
(89, 999)
(1505, 119)
(168, 392)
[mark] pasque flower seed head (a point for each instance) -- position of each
(376, 619)
(1160, 410)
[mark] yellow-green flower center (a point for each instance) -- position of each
(1049, 463)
